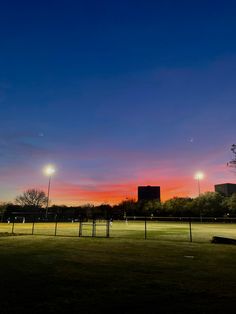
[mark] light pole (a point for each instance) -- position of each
(199, 176)
(49, 171)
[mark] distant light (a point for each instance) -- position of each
(199, 175)
(49, 170)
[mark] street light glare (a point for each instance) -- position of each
(199, 175)
(49, 170)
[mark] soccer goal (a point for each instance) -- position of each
(94, 228)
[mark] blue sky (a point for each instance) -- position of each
(116, 94)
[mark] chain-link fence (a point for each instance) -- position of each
(152, 228)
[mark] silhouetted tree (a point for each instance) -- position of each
(117, 212)
(3, 208)
(87, 210)
(178, 206)
(129, 206)
(230, 204)
(232, 162)
(152, 207)
(32, 198)
(209, 204)
(103, 211)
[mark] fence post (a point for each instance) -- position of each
(190, 230)
(55, 227)
(33, 228)
(94, 228)
(13, 224)
(80, 227)
(108, 228)
(145, 228)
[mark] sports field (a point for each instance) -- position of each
(47, 274)
(156, 230)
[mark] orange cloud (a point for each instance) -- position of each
(80, 186)
(75, 194)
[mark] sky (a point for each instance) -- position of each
(116, 94)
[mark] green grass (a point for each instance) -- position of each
(41, 274)
(170, 231)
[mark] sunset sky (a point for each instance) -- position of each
(116, 94)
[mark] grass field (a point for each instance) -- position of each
(156, 230)
(41, 274)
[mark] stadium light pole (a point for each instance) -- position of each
(49, 171)
(199, 176)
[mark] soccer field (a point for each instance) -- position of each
(156, 230)
(42, 274)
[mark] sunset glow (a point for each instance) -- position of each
(142, 95)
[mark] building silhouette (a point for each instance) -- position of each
(149, 193)
(226, 189)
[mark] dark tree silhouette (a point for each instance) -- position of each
(32, 198)
(232, 162)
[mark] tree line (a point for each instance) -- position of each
(31, 204)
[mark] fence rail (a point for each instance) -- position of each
(153, 228)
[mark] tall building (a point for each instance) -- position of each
(226, 189)
(149, 193)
